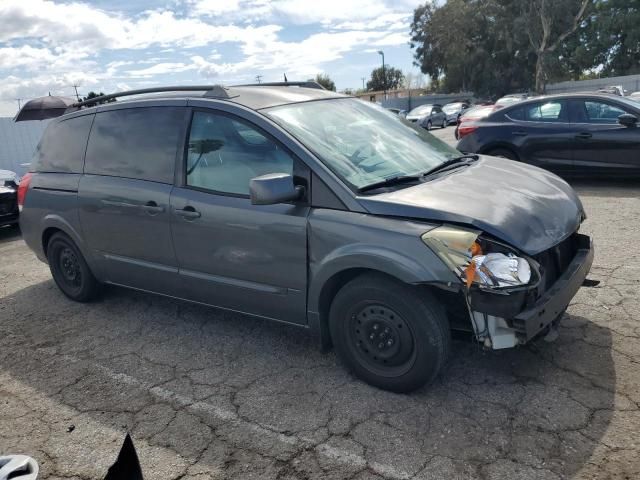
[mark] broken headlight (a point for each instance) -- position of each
(461, 250)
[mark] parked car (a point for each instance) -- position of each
(635, 96)
(311, 208)
(570, 134)
(8, 198)
(473, 113)
(510, 99)
(454, 111)
(614, 90)
(428, 116)
(398, 111)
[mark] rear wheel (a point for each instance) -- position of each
(390, 335)
(70, 270)
(503, 153)
(444, 123)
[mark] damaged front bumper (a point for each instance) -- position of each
(505, 318)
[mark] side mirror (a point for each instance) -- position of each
(274, 188)
(628, 120)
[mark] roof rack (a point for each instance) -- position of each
(217, 91)
(309, 84)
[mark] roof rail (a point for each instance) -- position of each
(211, 91)
(309, 84)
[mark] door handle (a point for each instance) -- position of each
(519, 133)
(152, 208)
(188, 213)
(584, 135)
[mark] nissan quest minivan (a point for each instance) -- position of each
(293, 203)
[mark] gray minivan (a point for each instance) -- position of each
(308, 207)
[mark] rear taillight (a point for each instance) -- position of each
(22, 189)
(464, 130)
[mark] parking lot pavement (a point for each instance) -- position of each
(446, 134)
(210, 394)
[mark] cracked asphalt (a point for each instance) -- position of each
(210, 394)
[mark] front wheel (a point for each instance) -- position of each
(70, 270)
(391, 335)
(428, 127)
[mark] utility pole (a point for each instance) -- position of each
(259, 78)
(19, 100)
(384, 77)
(76, 89)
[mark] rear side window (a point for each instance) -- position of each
(552, 111)
(61, 149)
(138, 143)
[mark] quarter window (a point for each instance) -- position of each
(62, 147)
(224, 154)
(138, 143)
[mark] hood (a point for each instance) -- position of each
(527, 207)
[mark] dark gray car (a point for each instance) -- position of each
(308, 207)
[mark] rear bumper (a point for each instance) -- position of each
(9, 219)
(529, 320)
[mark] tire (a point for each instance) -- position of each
(444, 123)
(428, 127)
(503, 153)
(413, 342)
(70, 270)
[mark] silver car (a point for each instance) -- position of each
(454, 111)
(428, 116)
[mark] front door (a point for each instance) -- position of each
(604, 146)
(232, 254)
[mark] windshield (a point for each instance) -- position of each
(421, 110)
(361, 142)
(452, 107)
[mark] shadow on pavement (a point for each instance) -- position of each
(235, 391)
(9, 232)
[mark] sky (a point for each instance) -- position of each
(110, 45)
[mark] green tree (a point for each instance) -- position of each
(93, 94)
(393, 79)
(472, 45)
(324, 80)
(549, 23)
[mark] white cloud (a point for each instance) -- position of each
(161, 69)
(47, 45)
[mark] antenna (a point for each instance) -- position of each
(259, 78)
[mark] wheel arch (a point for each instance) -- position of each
(500, 146)
(329, 279)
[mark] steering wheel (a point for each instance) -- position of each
(355, 156)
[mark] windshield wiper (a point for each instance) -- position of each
(387, 182)
(399, 179)
(452, 161)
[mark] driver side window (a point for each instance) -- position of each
(225, 153)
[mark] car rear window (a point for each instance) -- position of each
(138, 143)
(61, 149)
